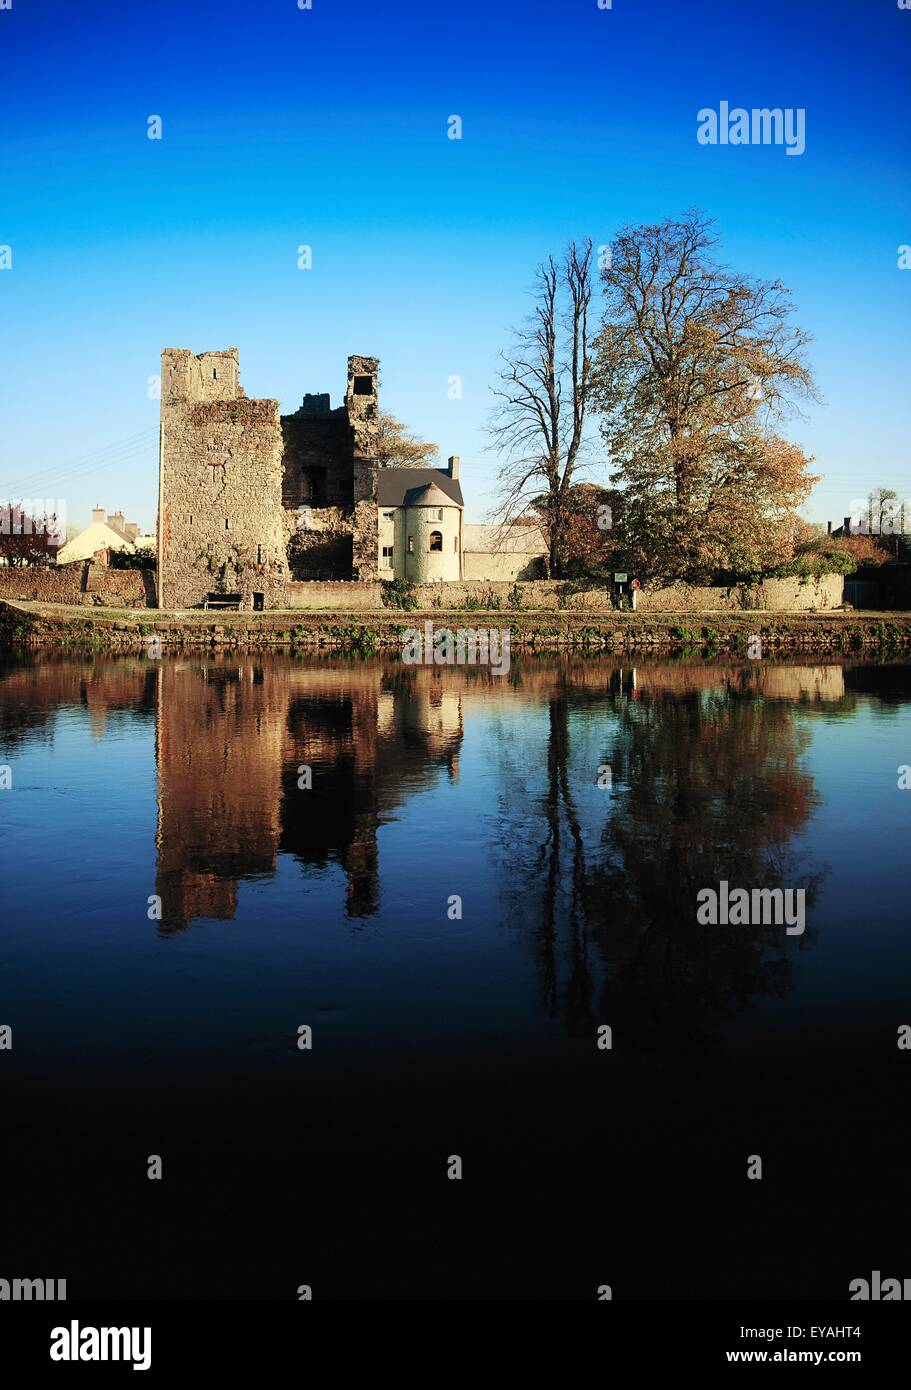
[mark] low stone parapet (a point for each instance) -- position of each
(81, 583)
(791, 595)
(338, 594)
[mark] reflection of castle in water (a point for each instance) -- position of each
(705, 759)
(232, 737)
(233, 734)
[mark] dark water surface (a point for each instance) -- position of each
(434, 1036)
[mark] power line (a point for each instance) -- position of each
(121, 451)
(89, 463)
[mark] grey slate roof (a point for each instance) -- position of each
(398, 487)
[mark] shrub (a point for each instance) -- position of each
(132, 560)
(814, 564)
(398, 593)
(488, 599)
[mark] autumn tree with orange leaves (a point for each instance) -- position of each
(397, 447)
(696, 366)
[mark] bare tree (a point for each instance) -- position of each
(887, 518)
(543, 397)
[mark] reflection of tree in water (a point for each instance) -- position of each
(706, 786)
(34, 689)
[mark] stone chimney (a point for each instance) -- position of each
(847, 526)
(362, 409)
(362, 393)
(454, 466)
(828, 528)
(98, 514)
(131, 530)
(115, 521)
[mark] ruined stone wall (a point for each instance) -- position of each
(248, 499)
(319, 542)
(329, 480)
(221, 525)
(317, 466)
(80, 583)
(212, 376)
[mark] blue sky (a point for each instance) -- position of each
(329, 127)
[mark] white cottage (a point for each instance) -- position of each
(420, 523)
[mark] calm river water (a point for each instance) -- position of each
(481, 874)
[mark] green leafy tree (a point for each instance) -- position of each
(696, 366)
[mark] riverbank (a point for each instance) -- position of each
(32, 624)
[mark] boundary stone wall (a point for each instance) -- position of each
(791, 595)
(81, 583)
(338, 595)
(87, 584)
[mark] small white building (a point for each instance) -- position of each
(420, 523)
(423, 536)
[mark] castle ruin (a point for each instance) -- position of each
(248, 498)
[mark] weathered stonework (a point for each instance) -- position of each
(361, 403)
(83, 582)
(319, 543)
(249, 500)
(220, 493)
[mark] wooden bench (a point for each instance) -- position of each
(222, 601)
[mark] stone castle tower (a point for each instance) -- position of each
(238, 482)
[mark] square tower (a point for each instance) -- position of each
(220, 485)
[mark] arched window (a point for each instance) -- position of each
(436, 540)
